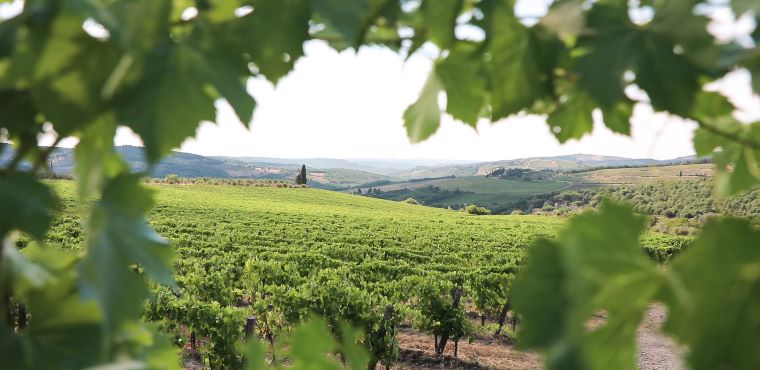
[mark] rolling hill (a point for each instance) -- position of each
(193, 165)
(559, 163)
(505, 195)
(386, 174)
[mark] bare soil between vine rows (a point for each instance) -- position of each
(656, 350)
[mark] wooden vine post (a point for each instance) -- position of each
(250, 326)
(21, 317)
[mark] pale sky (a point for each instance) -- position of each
(350, 105)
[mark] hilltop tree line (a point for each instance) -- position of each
(521, 173)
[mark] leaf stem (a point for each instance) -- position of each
(729, 135)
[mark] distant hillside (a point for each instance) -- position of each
(506, 195)
(378, 166)
(340, 174)
(560, 163)
(193, 165)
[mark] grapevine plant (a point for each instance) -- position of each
(82, 68)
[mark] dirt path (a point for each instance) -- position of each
(657, 351)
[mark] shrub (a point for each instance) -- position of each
(517, 212)
(172, 179)
(475, 210)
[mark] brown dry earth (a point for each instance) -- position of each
(656, 351)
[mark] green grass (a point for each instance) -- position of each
(481, 184)
(486, 185)
(494, 193)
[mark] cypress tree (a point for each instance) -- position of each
(303, 174)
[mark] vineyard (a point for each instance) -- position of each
(280, 254)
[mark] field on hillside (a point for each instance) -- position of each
(280, 254)
(482, 184)
(498, 195)
(502, 196)
(638, 175)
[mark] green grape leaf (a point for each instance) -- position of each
(714, 111)
(119, 237)
(544, 276)
(736, 167)
(422, 118)
(95, 156)
(719, 285)
(273, 35)
(65, 330)
(18, 110)
(153, 108)
(462, 76)
(160, 353)
(736, 164)
(572, 118)
(311, 342)
(712, 108)
(22, 272)
(355, 354)
(705, 142)
(375, 22)
(440, 19)
(595, 264)
(741, 6)
(756, 77)
(137, 26)
(255, 355)
(752, 63)
(65, 69)
(27, 204)
(677, 21)
(607, 53)
(516, 78)
(333, 38)
(8, 32)
(347, 18)
(659, 63)
(223, 10)
(617, 117)
(224, 68)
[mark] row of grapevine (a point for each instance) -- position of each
(242, 255)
